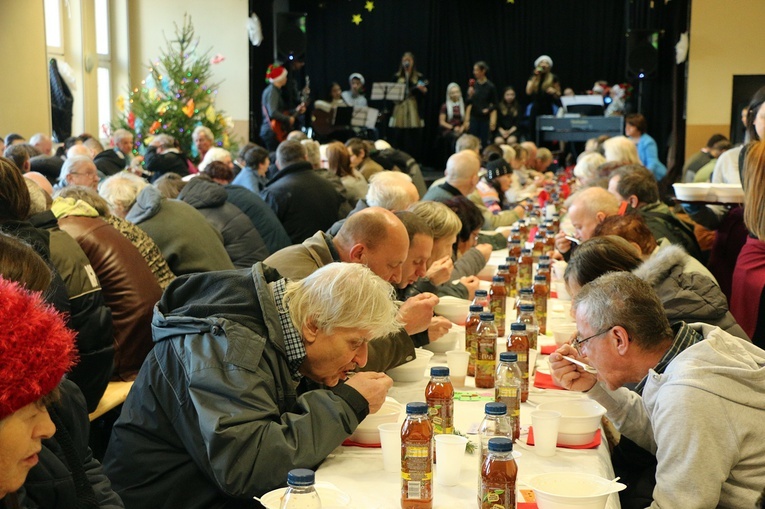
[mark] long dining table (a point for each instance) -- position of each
(358, 471)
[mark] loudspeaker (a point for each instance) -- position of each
(290, 35)
(642, 53)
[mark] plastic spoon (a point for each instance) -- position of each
(586, 367)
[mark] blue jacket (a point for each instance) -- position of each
(648, 153)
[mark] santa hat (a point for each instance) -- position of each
(274, 72)
(36, 348)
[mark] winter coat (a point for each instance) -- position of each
(129, 287)
(261, 216)
(214, 417)
(687, 296)
(302, 260)
(250, 179)
(242, 241)
(187, 241)
(303, 201)
(169, 161)
(66, 459)
(88, 315)
(110, 162)
(664, 224)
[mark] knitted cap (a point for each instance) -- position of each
(36, 348)
(497, 168)
(357, 76)
(274, 72)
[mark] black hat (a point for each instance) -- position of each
(497, 168)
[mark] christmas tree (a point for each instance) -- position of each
(176, 96)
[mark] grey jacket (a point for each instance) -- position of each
(687, 296)
(214, 417)
(242, 241)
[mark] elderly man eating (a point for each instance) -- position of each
(246, 381)
(702, 403)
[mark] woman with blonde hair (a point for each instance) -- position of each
(620, 149)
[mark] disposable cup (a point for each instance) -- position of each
(449, 450)
(545, 424)
(457, 361)
(390, 440)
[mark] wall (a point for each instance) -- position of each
(220, 26)
(725, 39)
(24, 96)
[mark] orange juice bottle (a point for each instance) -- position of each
(518, 342)
(471, 326)
(498, 303)
(486, 352)
(417, 458)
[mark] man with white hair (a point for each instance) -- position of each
(391, 190)
(78, 171)
(589, 207)
(41, 142)
(118, 158)
(228, 402)
(163, 156)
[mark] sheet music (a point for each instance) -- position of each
(364, 117)
(388, 90)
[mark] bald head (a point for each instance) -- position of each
(376, 238)
(41, 180)
(589, 208)
(79, 150)
(462, 171)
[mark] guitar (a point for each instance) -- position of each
(279, 132)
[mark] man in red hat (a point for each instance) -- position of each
(277, 120)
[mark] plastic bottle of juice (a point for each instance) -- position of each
(498, 473)
(417, 458)
(525, 296)
(544, 269)
(486, 352)
(498, 303)
(511, 280)
(471, 326)
(507, 388)
(528, 316)
(439, 395)
(525, 268)
(539, 245)
(301, 493)
(518, 342)
(514, 248)
(481, 298)
(541, 293)
(549, 240)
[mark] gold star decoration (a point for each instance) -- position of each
(356, 19)
(511, 1)
(369, 6)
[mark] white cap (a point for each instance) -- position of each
(357, 76)
(541, 58)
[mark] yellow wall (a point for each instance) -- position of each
(24, 96)
(725, 40)
(221, 26)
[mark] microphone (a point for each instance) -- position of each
(406, 64)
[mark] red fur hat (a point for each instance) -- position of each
(36, 348)
(274, 72)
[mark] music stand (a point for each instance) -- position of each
(388, 91)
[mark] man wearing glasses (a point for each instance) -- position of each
(702, 403)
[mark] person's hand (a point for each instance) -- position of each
(415, 313)
(562, 244)
(552, 90)
(567, 374)
(471, 283)
(459, 129)
(470, 92)
(520, 211)
(485, 250)
(292, 121)
(492, 127)
(300, 109)
(438, 327)
(422, 88)
(440, 271)
(372, 386)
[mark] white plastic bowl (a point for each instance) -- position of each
(579, 421)
(329, 494)
(367, 432)
(692, 192)
(563, 332)
(572, 490)
(453, 309)
(412, 371)
(488, 271)
(446, 342)
(727, 193)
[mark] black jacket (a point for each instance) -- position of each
(110, 162)
(303, 200)
(261, 215)
(159, 164)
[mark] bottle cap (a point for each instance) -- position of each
(502, 267)
(518, 326)
(416, 407)
(525, 290)
(516, 241)
(499, 279)
(515, 229)
(508, 356)
(539, 236)
(439, 371)
(525, 252)
(544, 258)
(527, 307)
(500, 444)
(540, 277)
(495, 408)
(476, 308)
(301, 477)
(487, 317)
(511, 259)
(481, 293)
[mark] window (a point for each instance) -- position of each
(54, 33)
(103, 49)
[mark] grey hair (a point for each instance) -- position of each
(73, 164)
(313, 152)
(586, 168)
(39, 200)
(163, 140)
(596, 199)
(388, 189)
(206, 131)
(622, 298)
(343, 296)
(119, 134)
(620, 149)
(442, 220)
(214, 154)
(121, 191)
(88, 195)
(468, 142)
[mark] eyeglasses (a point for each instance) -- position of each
(578, 342)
